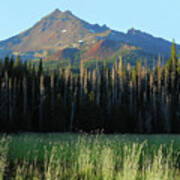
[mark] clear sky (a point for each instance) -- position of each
(160, 18)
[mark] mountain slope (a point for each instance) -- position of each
(57, 30)
(106, 48)
(61, 32)
(145, 41)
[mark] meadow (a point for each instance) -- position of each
(89, 157)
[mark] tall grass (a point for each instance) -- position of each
(88, 157)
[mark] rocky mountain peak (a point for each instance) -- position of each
(132, 31)
(60, 30)
(67, 12)
(57, 11)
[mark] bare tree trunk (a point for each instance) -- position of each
(41, 103)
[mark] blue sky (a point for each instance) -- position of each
(160, 18)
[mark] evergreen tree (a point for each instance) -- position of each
(40, 70)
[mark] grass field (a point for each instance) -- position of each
(86, 157)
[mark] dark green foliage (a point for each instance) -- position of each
(117, 99)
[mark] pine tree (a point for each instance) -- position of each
(40, 70)
(17, 63)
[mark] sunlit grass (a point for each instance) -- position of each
(106, 157)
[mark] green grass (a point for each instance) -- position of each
(77, 156)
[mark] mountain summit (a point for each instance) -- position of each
(54, 31)
(61, 30)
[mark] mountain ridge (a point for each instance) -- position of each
(63, 30)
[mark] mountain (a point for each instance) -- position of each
(67, 53)
(55, 31)
(62, 35)
(106, 48)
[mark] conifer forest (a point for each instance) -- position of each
(117, 99)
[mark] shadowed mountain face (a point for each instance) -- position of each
(62, 30)
(67, 53)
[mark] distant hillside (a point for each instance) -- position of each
(62, 35)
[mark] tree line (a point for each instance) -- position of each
(121, 99)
